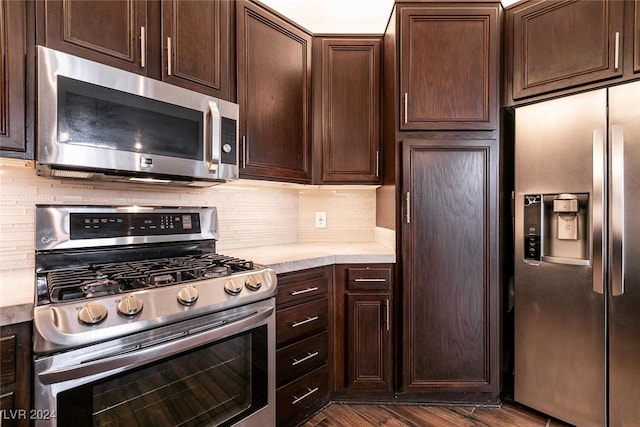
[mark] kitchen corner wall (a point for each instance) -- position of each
(250, 213)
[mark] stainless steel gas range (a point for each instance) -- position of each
(139, 321)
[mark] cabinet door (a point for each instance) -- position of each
(197, 50)
(449, 67)
(636, 37)
(274, 87)
(350, 72)
(369, 348)
(560, 44)
(13, 69)
(450, 273)
(106, 31)
(15, 372)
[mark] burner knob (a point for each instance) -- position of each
(92, 313)
(233, 287)
(253, 283)
(130, 306)
(188, 295)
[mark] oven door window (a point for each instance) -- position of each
(217, 384)
(100, 117)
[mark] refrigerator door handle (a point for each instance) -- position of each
(617, 210)
(597, 214)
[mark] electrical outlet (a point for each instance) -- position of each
(321, 219)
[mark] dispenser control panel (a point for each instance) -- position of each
(533, 227)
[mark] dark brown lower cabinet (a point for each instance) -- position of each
(450, 261)
(302, 362)
(363, 347)
(15, 374)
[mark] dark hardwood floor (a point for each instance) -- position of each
(509, 414)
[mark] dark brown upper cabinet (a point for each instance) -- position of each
(110, 32)
(274, 93)
(186, 43)
(449, 66)
(16, 103)
(199, 48)
(562, 44)
(347, 88)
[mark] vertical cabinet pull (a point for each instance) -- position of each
(168, 56)
(616, 59)
(387, 315)
(406, 108)
(408, 207)
(143, 47)
(244, 151)
(377, 163)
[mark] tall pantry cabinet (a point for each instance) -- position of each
(441, 112)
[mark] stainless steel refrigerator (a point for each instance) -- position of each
(577, 257)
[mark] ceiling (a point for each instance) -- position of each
(340, 16)
(336, 16)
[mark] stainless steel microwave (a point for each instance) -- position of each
(99, 122)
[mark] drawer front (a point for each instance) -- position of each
(301, 321)
(297, 400)
(369, 279)
(303, 356)
(298, 287)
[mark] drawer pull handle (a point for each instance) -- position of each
(304, 291)
(369, 280)
(302, 322)
(307, 394)
(304, 359)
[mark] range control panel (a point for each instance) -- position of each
(105, 225)
(533, 226)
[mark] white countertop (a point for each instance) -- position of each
(17, 293)
(17, 287)
(299, 256)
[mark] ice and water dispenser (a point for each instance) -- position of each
(556, 228)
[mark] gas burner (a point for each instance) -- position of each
(217, 271)
(100, 287)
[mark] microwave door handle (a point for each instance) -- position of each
(212, 150)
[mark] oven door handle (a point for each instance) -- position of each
(137, 356)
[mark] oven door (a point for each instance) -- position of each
(214, 370)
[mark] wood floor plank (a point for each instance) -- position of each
(400, 415)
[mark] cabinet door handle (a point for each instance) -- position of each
(302, 322)
(143, 47)
(377, 163)
(304, 359)
(168, 56)
(387, 315)
(369, 280)
(244, 151)
(617, 51)
(408, 212)
(303, 291)
(307, 394)
(406, 108)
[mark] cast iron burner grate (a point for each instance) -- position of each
(114, 278)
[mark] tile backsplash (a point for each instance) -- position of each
(250, 213)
